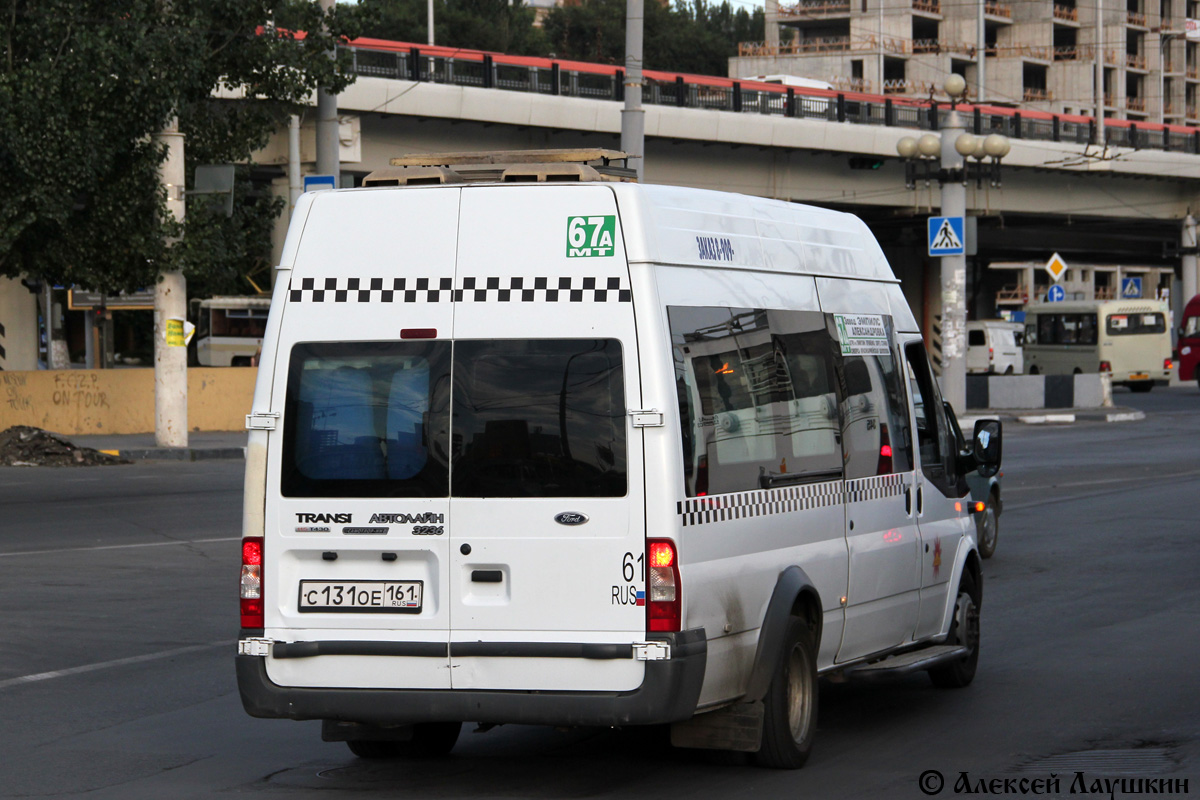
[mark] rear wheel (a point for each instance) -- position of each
(1033, 370)
(790, 713)
(964, 630)
(429, 739)
(987, 527)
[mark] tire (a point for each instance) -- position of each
(434, 738)
(987, 528)
(1009, 371)
(961, 672)
(790, 713)
(1141, 386)
(1034, 370)
(429, 739)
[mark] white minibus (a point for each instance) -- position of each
(545, 446)
(229, 330)
(1128, 338)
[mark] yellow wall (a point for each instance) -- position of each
(121, 400)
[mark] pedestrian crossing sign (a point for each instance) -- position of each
(946, 236)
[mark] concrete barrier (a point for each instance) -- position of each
(1039, 391)
(75, 402)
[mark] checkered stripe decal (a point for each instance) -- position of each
(877, 488)
(550, 290)
(472, 290)
(761, 503)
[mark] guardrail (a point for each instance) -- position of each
(445, 65)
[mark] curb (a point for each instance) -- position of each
(1061, 418)
(178, 454)
(1046, 419)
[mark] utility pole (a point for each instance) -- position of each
(954, 268)
(170, 310)
(1101, 138)
(429, 10)
(981, 49)
(328, 147)
(633, 116)
(882, 71)
(1191, 272)
(295, 186)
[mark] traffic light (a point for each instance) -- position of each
(865, 162)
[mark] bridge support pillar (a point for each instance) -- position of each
(1190, 262)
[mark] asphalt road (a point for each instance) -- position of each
(118, 586)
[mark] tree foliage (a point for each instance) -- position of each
(695, 36)
(476, 24)
(84, 86)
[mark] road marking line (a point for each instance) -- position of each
(1183, 477)
(118, 546)
(120, 662)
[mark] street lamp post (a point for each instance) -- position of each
(950, 149)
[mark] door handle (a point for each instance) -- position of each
(920, 502)
(908, 500)
(487, 576)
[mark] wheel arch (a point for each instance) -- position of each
(794, 595)
(967, 562)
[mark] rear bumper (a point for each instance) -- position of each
(668, 693)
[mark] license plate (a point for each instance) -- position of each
(1139, 376)
(361, 597)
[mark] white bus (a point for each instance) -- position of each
(1128, 338)
(229, 330)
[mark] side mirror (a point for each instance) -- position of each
(986, 446)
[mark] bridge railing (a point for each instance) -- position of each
(454, 66)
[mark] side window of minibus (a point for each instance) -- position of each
(874, 411)
(935, 439)
(758, 407)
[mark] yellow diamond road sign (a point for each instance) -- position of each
(1056, 267)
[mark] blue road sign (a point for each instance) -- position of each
(946, 236)
(1131, 287)
(1056, 294)
(313, 183)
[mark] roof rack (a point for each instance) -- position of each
(573, 165)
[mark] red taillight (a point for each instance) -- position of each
(1168, 364)
(991, 354)
(418, 333)
(1105, 366)
(663, 589)
(252, 587)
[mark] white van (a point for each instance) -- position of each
(593, 453)
(994, 347)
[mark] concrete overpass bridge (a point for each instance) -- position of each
(1122, 201)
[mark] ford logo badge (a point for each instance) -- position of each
(570, 518)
